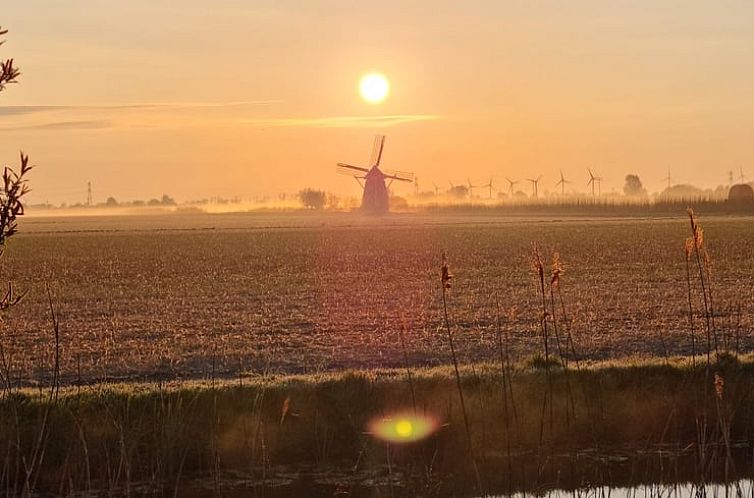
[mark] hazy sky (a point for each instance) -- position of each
(250, 97)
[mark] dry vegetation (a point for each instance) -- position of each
(224, 303)
(178, 303)
(304, 435)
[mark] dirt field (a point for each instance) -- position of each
(180, 295)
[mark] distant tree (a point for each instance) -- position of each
(138, 203)
(153, 202)
(312, 199)
(332, 202)
(111, 202)
(167, 200)
(459, 191)
(633, 186)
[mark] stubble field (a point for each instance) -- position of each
(195, 296)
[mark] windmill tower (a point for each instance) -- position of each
(89, 194)
(562, 183)
(594, 181)
(511, 184)
(535, 185)
(376, 198)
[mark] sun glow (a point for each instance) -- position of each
(374, 87)
(403, 427)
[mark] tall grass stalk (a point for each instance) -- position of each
(557, 270)
(688, 249)
(539, 270)
(404, 328)
(697, 235)
(506, 381)
(445, 277)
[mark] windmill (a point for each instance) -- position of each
(562, 183)
(594, 180)
(535, 185)
(376, 199)
(511, 184)
(437, 189)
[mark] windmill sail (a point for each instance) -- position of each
(379, 144)
(403, 176)
(348, 169)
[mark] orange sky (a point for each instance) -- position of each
(246, 98)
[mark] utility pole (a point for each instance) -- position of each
(89, 194)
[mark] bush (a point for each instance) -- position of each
(313, 199)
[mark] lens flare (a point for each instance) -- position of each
(403, 427)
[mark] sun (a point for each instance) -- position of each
(374, 87)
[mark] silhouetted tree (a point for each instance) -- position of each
(8, 72)
(111, 202)
(312, 199)
(14, 187)
(633, 186)
(167, 200)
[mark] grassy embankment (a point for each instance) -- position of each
(110, 437)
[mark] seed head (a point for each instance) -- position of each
(698, 236)
(445, 276)
(536, 262)
(557, 269)
(719, 385)
(688, 247)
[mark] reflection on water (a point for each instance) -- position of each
(738, 489)
(655, 474)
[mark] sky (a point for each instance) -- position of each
(250, 98)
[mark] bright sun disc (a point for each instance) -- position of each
(374, 87)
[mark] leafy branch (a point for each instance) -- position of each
(8, 72)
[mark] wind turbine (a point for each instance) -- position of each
(594, 180)
(472, 187)
(487, 185)
(535, 185)
(511, 184)
(562, 183)
(668, 179)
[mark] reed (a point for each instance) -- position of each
(445, 277)
(697, 238)
(539, 270)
